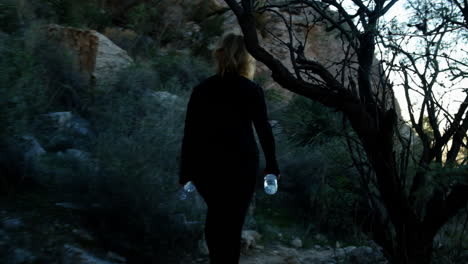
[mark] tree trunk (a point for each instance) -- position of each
(413, 246)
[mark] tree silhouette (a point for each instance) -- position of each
(411, 194)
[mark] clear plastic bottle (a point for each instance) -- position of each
(270, 184)
(188, 188)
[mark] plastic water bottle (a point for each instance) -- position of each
(270, 184)
(188, 188)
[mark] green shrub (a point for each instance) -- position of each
(155, 18)
(74, 13)
(305, 121)
(451, 242)
(22, 87)
(180, 71)
(319, 186)
(137, 149)
(210, 29)
(8, 16)
(35, 78)
(143, 18)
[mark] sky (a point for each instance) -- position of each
(452, 99)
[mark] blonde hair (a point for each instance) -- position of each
(232, 56)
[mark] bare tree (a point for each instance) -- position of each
(361, 89)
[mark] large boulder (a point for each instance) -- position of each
(164, 99)
(94, 56)
(30, 148)
(62, 130)
(75, 255)
(365, 255)
(249, 239)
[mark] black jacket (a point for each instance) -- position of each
(218, 132)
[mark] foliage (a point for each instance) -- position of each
(156, 19)
(142, 17)
(306, 121)
(425, 54)
(35, 78)
(210, 29)
(137, 146)
(8, 16)
(72, 13)
(180, 71)
(451, 242)
(318, 184)
(28, 84)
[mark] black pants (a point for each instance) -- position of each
(227, 198)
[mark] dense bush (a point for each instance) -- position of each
(319, 185)
(35, 78)
(9, 21)
(451, 242)
(130, 167)
(210, 30)
(180, 72)
(161, 20)
(137, 147)
(73, 13)
(306, 122)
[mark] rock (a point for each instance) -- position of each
(347, 250)
(75, 255)
(97, 58)
(164, 98)
(249, 239)
(115, 257)
(68, 205)
(75, 154)
(12, 223)
(56, 120)
(64, 122)
(79, 126)
(21, 256)
(124, 38)
(365, 255)
(30, 148)
(83, 234)
(4, 244)
(321, 238)
(286, 255)
(296, 242)
(203, 247)
(63, 130)
(4, 236)
(291, 260)
(192, 29)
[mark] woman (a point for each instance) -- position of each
(219, 152)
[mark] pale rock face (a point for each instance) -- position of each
(164, 99)
(12, 223)
(249, 239)
(96, 57)
(75, 255)
(31, 148)
(115, 33)
(109, 60)
(297, 243)
(57, 119)
(22, 256)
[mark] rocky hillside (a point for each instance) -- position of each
(94, 94)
